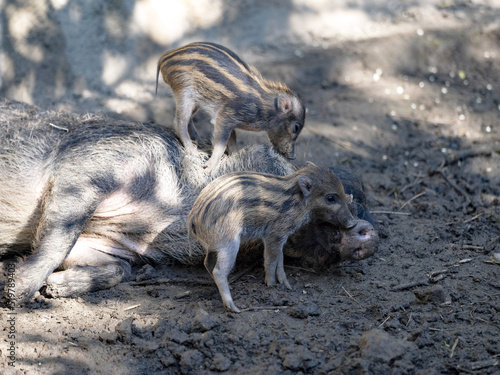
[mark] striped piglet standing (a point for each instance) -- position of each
(244, 206)
(213, 78)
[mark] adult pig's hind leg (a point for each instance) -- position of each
(87, 270)
(65, 220)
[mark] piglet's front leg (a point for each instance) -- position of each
(273, 261)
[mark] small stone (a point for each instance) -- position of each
(302, 311)
(203, 322)
(124, 330)
(220, 363)
(297, 358)
(108, 337)
(179, 337)
(191, 361)
(145, 273)
(146, 346)
(166, 357)
(377, 345)
(434, 294)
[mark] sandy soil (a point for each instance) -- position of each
(407, 94)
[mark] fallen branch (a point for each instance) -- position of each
(474, 366)
(179, 280)
(400, 287)
(483, 364)
(391, 213)
(465, 154)
(458, 368)
(472, 247)
(454, 186)
(256, 308)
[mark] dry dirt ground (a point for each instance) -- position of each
(407, 94)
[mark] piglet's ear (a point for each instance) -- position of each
(306, 185)
(283, 103)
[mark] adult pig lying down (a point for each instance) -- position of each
(84, 198)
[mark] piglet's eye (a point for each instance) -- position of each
(296, 128)
(332, 198)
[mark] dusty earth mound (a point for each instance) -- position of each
(407, 94)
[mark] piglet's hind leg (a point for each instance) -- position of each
(222, 133)
(185, 106)
(219, 264)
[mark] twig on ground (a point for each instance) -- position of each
(435, 276)
(411, 199)
(400, 287)
(240, 274)
(453, 348)
(351, 297)
(437, 329)
(472, 247)
(132, 307)
(173, 281)
(302, 269)
(483, 364)
(464, 154)
(458, 368)
(391, 212)
(185, 294)
(256, 308)
(473, 218)
(417, 180)
(455, 186)
(385, 320)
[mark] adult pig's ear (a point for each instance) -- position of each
(283, 103)
(306, 185)
(350, 198)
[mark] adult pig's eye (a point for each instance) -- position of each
(332, 198)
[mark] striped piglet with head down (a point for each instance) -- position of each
(244, 206)
(213, 78)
